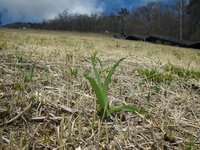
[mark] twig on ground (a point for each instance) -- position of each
(64, 108)
(41, 119)
(19, 115)
(6, 140)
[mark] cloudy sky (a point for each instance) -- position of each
(37, 10)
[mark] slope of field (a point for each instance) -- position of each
(46, 103)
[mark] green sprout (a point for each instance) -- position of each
(74, 72)
(101, 89)
(29, 76)
(191, 144)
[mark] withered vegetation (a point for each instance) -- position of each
(46, 103)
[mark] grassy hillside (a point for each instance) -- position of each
(45, 101)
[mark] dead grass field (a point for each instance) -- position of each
(56, 109)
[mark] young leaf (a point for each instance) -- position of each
(101, 89)
(100, 63)
(96, 73)
(98, 92)
(108, 78)
(126, 107)
(31, 72)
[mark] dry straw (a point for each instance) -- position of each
(57, 109)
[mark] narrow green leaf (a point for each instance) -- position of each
(126, 107)
(96, 73)
(31, 72)
(100, 63)
(108, 78)
(98, 91)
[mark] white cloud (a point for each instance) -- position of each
(48, 9)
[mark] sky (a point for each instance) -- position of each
(38, 10)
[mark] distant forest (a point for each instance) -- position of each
(179, 20)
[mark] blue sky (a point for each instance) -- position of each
(37, 10)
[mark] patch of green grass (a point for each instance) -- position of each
(155, 76)
(101, 89)
(27, 72)
(190, 145)
(29, 75)
(168, 73)
(19, 58)
(182, 72)
(26, 69)
(3, 43)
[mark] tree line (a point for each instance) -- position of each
(179, 20)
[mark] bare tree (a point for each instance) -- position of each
(123, 13)
(153, 18)
(193, 12)
(2, 12)
(0, 16)
(181, 18)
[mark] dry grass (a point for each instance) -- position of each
(56, 110)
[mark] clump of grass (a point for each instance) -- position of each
(3, 43)
(101, 88)
(74, 72)
(155, 76)
(168, 73)
(29, 76)
(19, 58)
(182, 72)
(191, 144)
(28, 72)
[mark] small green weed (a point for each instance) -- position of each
(101, 89)
(19, 58)
(74, 72)
(29, 75)
(190, 145)
(27, 72)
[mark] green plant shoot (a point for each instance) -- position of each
(101, 88)
(74, 72)
(29, 77)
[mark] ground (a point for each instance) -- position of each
(46, 103)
